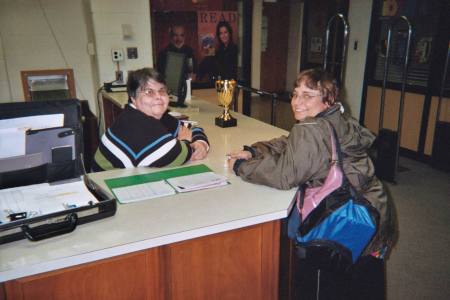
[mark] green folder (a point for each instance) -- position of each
(155, 176)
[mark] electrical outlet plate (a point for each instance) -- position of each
(117, 54)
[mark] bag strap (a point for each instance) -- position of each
(336, 157)
(334, 143)
(336, 154)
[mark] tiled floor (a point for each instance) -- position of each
(419, 266)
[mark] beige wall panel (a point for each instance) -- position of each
(412, 114)
(430, 127)
(445, 110)
(444, 116)
(412, 120)
(372, 112)
(391, 107)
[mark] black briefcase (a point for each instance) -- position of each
(52, 155)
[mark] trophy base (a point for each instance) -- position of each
(224, 124)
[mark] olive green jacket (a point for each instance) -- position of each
(305, 155)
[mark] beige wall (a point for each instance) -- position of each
(294, 42)
(54, 34)
(45, 34)
(108, 17)
(5, 94)
(256, 44)
(359, 21)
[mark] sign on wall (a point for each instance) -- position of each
(207, 23)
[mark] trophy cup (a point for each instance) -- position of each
(225, 91)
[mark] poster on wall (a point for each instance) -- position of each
(198, 34)
(209, 42)
(207, 23)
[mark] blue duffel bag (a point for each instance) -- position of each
(333, 220)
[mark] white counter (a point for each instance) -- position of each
(161, 221)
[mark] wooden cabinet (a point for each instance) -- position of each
(111, 111)
(238, 264)
(124, 277)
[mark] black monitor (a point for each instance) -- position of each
(175, 75)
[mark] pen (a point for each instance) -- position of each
(69, 206)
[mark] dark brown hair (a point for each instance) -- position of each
(318, 79)
(229, 29)
(139, 78)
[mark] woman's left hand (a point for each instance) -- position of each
(231, 162)
(241, 154)
(200, 150)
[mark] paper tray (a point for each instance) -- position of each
(54, 224)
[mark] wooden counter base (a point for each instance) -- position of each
(238, 264)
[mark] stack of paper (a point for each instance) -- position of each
(164, 183)
(195, 182)
(41, 199)
(143, 191)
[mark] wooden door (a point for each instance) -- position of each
(274, 46)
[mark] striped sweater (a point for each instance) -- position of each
(136, 140)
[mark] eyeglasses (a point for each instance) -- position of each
(304, 96)
(152, 93)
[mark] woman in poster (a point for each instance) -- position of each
(227, 52)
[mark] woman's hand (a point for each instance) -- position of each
(241, 154)
(233, 156)
(200, 150)
(185, 134)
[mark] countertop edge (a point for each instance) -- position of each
(65, 262)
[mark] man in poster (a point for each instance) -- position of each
(177, 39)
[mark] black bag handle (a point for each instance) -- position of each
(50, 230)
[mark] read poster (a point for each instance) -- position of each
(206, 25)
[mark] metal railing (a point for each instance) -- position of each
(274, 99)
(344, 45)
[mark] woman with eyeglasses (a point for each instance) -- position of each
(145, 134)
(304, 158)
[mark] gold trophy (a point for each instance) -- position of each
(225, 91)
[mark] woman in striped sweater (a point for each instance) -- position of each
(145, 134)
